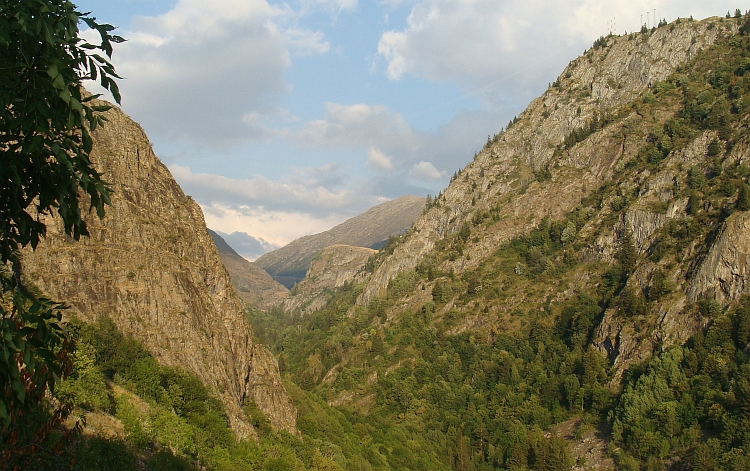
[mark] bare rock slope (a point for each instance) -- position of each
(332, 268)
(151, 266)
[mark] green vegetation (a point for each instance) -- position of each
(172, 422)
(45, 121)
(477, 370)
(691, 401)
(418, 379)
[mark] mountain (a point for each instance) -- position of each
(150, 265)
(372, 229)
(252, 284)
(582, 285)
(585, 152)
(333, 267)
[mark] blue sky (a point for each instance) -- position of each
(283, 119)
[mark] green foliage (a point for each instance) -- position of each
(692, 401)
(35, 349)
(86, 386)
(45, 119)
(45, 122)
(743, 198)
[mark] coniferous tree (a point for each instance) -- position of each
(743, 198)
(627, 253)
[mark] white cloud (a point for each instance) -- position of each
(277, 228)
(200, 70)
(302, 192)
(426, 171)
(506, 51)
(378, 160)
(306, 42)
(392, 144)
(358, 125)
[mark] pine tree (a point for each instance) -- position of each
(743, 198)
(627, 255)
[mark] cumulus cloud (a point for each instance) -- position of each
(355, 125)
(499, 49)
(378, 160)
(299, 192)
(426, 171)
(210, 72)
(392, 144)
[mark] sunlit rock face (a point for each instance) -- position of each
(152, 267)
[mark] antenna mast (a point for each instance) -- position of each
(612, 26)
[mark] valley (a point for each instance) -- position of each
(578, 297)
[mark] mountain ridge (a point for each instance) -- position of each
(151, 266)
(373, 227)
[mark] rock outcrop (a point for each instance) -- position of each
(152, 267)
(724, 274)
(332, 268)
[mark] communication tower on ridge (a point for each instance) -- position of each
(612, 26)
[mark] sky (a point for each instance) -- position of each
(283, 119)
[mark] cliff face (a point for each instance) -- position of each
(332, 268)
(151, 266)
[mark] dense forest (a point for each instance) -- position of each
(414, 391)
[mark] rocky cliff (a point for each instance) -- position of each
(253, 284)
(576, 149)
(370, 229)
(151, 266)
(331, 268)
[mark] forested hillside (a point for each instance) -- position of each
(628, 310)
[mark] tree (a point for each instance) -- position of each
(627, 254)
(45, 123)
(743, 198)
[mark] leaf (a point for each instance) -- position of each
(65, 95)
